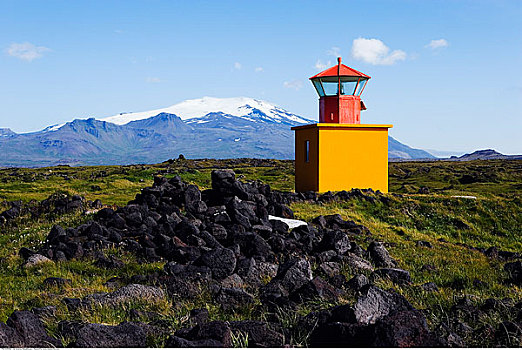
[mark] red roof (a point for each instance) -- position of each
(345, 71)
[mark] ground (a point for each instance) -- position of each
(457, 209)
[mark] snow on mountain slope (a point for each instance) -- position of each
(243, 107)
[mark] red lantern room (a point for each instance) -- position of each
(340, 88)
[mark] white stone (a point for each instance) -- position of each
(290, 222)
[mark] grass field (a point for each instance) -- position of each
(421, 205)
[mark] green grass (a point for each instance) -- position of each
(116, 185)
(399, 218)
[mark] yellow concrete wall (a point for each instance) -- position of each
(342, 157)
(353, 158)
(306, 173)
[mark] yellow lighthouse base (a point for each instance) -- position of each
(336, 157)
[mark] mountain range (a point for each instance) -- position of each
(200, 128)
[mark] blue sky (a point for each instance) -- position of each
(447, 74)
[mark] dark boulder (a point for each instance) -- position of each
(357, 282)
(260, 334)
(9, 338)
(111, 262)
(380, 255)
(233, 281)
(44, 311)
(124, 335)
(199, 315)
(317, 288)
(398, 276)
(404, 329)
(252, 245)
(221, 261)
(320, 221)
(57, 282)
(211, 334)
(182, 288)
(256, 272)
(330, 269)
(177, 342)
(11, 213)
(341, 334)
(279, 226)
(335, 240)
(72, 304)
(25, 253)
(233, 298)
(31, 330)
(193, 202)
(338, 281)
(56, 233)
(356, 263)
(335, 221)
(282, 211)
(293, 274)
(188, 272)
(375, 303)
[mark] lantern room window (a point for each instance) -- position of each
(319, 87)
(329, 86)
(360, 87)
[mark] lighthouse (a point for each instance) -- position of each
(340, 153)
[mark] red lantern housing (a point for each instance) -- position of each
(340, 88)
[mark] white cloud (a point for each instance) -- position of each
(294, 84)
(334, 51)
(153, 80)
(375, 52)
(26, 51)
(437, 44)
(259, 69)
(237, 65)
(320, 65)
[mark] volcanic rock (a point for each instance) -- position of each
(221, 261)
(233, 298)
(404, 329)
(398, 276)
(56, 281)
(30, 330)
(124, 335)
(36, 260)
(357, 282)
(380, 255)
(375, 303)
(259, 333)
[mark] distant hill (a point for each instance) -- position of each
(484, 155)
(201, 128)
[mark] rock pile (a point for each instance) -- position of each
(56, 204)
(222, 240)
(214, 228)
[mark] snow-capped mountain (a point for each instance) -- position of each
(6, 132)
(243, 107)
(201, 128)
